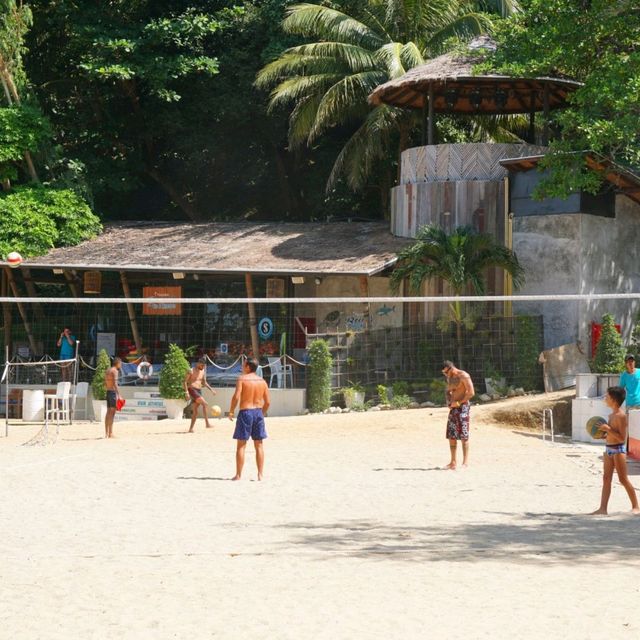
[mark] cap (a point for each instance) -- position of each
(629, 356)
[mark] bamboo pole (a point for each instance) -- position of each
(253, 320)
(21, 310)
(131, 311)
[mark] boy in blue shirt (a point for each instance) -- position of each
(630, 382)
(67, 344)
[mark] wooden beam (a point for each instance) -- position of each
(430, 116)
(6, 312)
(31, 290)
(545, 110)
(23, 312)
(131, 312)
(253, 320)
(71, 281)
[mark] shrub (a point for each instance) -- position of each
(98, 388)
(172, 375)
(401, 401)
(610, 350)
(400, 388)
(319, 378)
(527, 352)
(437, 391)
(383, 394)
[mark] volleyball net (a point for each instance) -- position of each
(375, 340)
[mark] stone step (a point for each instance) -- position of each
(145, 403)
(124, 417)
(147, 394)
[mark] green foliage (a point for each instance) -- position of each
(172, 375)
(383, 394)
(596, 43)
(437, 390)
(22, 128)
(319, 376)
(35, 219)
(401, 401)
(348, 52)
(400, 388)
(528, 349)
(98, 387)
(610, 351)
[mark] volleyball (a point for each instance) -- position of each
(216, 411)
(14, 259)
(593, 428)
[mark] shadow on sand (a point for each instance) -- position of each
(538, 538)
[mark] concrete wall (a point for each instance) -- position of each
(580, 253)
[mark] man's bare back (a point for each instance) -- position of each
(111, 379)
(252, 391)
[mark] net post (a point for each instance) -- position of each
(6, 399)
(76, 367)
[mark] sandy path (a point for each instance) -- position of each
(355, 534)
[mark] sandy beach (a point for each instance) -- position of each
(357, 532)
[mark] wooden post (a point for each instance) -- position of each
(71, 281)
(31, 290)
(545, 107)
(23, 312)
(425, 119)
(364, 291)
(430, 130)
(532, 119)
(508, 243)
(131, 311)
(253, 320)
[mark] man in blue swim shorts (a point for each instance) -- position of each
(252, 396)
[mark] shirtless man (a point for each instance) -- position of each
(459, 392)
(252, 396)
(113, 393)
(193, 383)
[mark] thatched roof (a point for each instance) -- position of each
(455, 87)
(364, 248)
(624, 180)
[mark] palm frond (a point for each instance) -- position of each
(302, 119)
(299, 87)
(390, 55)
(323, 23)
(411, 56)
(462, 27)
(356, 58)
(294, 64)
(341, 98)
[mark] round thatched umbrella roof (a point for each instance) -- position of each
(455, 89)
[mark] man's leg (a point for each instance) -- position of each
(205, 413)
(194, 415)
(108, 421)
(259, 457)
(620, 463)
(241, 447)
(453, 447)
(465, 453)
(607, 475)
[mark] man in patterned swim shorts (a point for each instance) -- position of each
(459, 392)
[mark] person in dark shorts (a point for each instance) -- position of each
(459, 392)
(193, 383)
(252, 396)
(113, 393)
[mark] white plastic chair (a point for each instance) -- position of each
(280, 372)
(81, 393)
(58, 406)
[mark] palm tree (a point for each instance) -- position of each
(328, 81)
(461, 259)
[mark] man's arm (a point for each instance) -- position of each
(59, 342)
(266, 400)
(236, 398)
(70, 340)
(469, 391)
(186, 383)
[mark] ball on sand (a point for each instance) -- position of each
(216, 411)
(14, 259)
(593, 428)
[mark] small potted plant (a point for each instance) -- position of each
(353, 394)
(98, 388)
(171, 382)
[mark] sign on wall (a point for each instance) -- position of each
(162, 308)
(106, 341)
(265, 328)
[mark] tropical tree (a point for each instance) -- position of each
(328, 80)
(461, 259)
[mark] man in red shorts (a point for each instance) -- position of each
(459, 392)
(193, 383)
